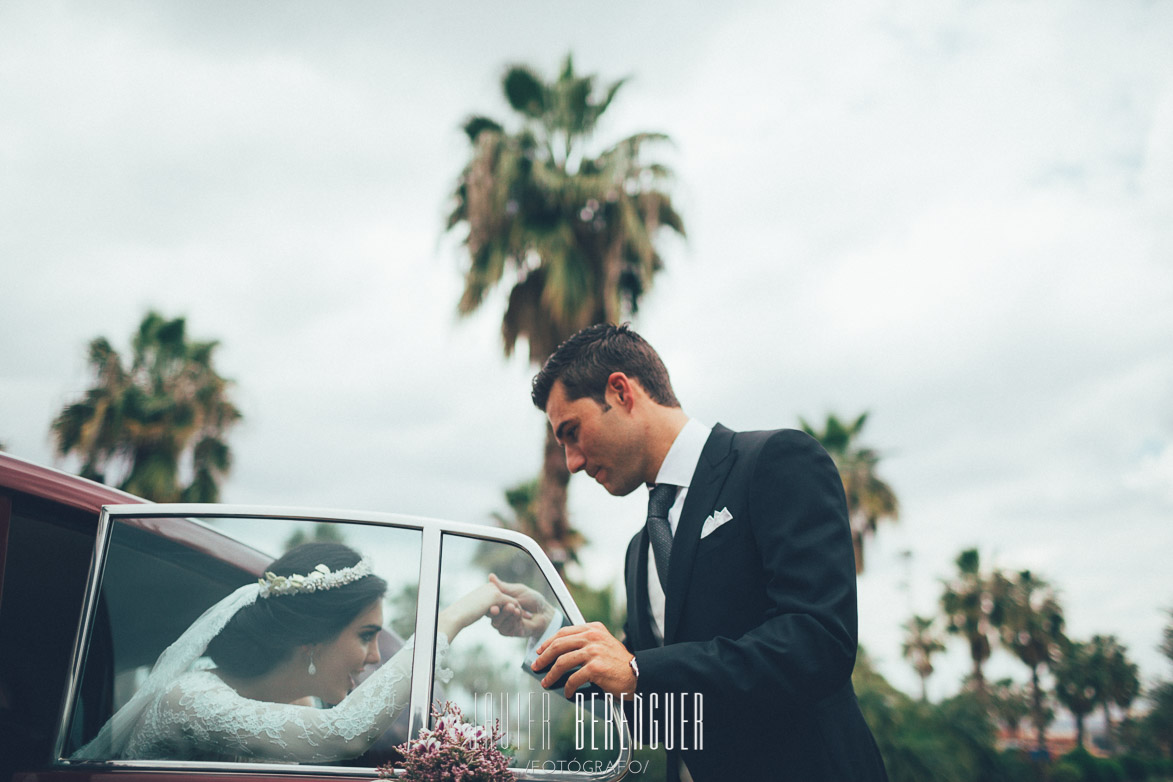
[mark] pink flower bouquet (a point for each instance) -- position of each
(452, 751)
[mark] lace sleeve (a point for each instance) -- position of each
(201, 717)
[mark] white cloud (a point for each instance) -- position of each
(1153, 474)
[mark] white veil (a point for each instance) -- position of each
(112, 740)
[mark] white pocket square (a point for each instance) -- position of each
(716, 520)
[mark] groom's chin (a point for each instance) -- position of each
(621, 490)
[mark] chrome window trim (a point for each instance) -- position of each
(432, 531)
(81, 639)
(419, 708)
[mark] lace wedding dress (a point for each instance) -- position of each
(183, 712)
(201, 718)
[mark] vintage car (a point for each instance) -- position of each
(96, 583)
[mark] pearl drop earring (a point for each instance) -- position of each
(313, 669)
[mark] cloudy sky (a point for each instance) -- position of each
(954, 214)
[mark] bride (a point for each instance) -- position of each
(304, 631)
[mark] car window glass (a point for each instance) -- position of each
(282, 680)
(47, 561)
(491, 681)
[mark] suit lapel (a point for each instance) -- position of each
(637, 591)
(716, 460)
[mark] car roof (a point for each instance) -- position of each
(60, 487)
(57, 486)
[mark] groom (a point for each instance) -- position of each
(740, 587)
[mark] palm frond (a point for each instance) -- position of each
(525, 91)
(475, 125)
(610, 94)
(523, 312)
(670, 218)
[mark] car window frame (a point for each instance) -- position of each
(5, 522)
(432, 532)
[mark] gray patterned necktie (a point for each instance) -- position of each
(660, 499)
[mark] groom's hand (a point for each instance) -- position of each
(534, 614)
(599, 656)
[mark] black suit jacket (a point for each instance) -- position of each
(760, 617)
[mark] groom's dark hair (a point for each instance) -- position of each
(263, 635)
(585, 361)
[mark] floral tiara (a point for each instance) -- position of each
(319, 579)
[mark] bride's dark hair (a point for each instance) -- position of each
(264, 634)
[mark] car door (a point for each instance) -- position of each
(157, 568)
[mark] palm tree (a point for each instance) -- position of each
(570, 232)
(1033, 631)
(522, 517)
(869, 499)
(1158, 723)
(920, 644)
(167, 413)
(1077, 683)
(1010, 704)
(1166, 647)
(1118, 678)
(522, 502)
(972, 611)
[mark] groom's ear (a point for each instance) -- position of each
(620, 390)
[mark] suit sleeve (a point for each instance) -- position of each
(804, 648)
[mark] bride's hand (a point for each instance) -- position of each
(485, 600)
(535, 615)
